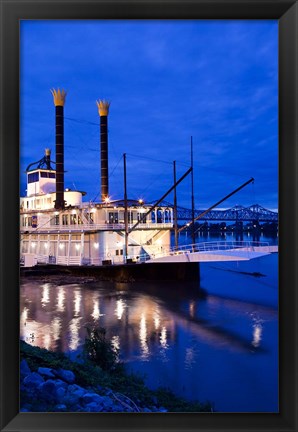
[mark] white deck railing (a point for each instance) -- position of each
(93, 227)
(203, 247)
(216, 246)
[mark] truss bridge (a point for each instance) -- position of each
(254, 212)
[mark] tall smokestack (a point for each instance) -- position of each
(103, 111)
(59, 100)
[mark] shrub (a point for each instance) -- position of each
(99, 350)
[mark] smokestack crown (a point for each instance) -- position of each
(103, 107)
(59, 97)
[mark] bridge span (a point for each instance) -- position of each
(237, 213)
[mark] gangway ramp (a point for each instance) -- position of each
(214, 251)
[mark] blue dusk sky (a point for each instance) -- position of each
(216, 81)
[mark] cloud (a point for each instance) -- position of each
(167, 81)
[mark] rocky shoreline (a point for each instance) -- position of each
(50, 382)
(55, 390)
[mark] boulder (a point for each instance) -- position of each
(74, 394)
(146, 410)
(47, 391)
(60, 391)
(60, 383)
(60, 408)
(108, 403)
(93, 407)
(24, 369)
(47, 372)
(26, 407)
(88, 398)
(74, 388)
(66, 375)
(118, 408)
(33, 380)
(162, 410)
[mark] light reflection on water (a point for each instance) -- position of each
(190, 357)
(56, 325)
(77, 302)
(120, 308)
(116, 342)
(60, 299)
(74, 333)
(45, 295)
(24, 316)
(257, 327)
(96, 314)
(212, 348)
(257, 335)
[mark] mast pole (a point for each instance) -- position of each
(193, 234)
(175, 208)
(125, 210)
(161, 199)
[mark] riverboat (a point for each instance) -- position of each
(58, 227)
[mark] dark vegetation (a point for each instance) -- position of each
(99, 350)
(99, 368)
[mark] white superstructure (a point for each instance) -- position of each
(58, 227)
(85, 234)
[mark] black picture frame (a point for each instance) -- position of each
(286, 11)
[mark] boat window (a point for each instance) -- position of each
(33, 177)
(89, 217)
(159, 216)
(64, 219)
(54, 220)
(121, 217)
(113, 217)
(34, 221)
(167, 216)
(141, 217)
(47, 174)
(25, 246)
(73, 219)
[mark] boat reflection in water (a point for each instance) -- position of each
(140, 322)
(202, 347)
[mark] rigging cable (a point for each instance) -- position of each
(81, 121)
(110, 174)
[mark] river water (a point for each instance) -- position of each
(221, 346)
